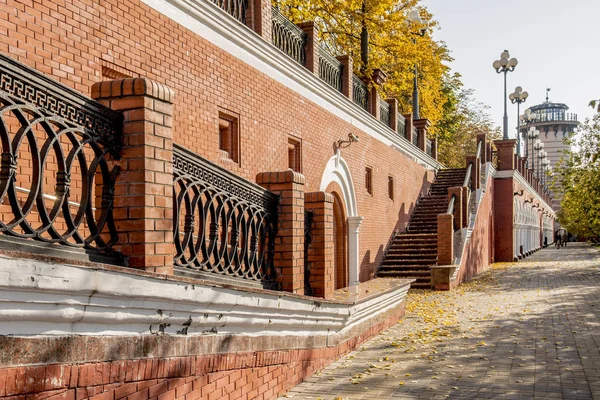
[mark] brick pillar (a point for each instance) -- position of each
(347, 75)
(422, 126)
(144, 189)
(475, 171)
(289, 243)
(488, 152)
(409, 126)
(393, 114)
(506, 151)
(458, 205)
(320, 253)
(258, 18)
(312, 46)
(445, 239)
(434, 148)
(379, 78)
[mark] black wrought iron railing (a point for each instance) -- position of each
(330, 69)
(428, 146)
(360, 92)
(56, 184)
(235, 8)
(384, 112)
(223, 224)
(288, 38)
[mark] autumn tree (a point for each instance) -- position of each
(577, 181)
(463, 118)
(388, 41)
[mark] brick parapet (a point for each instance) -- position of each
(457, 191)
(289, 243)
(320, 253)
(143, 206)
(409, 126)
(393, 113)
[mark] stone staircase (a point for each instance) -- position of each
(413, 252)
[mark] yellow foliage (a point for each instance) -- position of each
(394, 46)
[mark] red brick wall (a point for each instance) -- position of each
(73, 41)
(504, 217)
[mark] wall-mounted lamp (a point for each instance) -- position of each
(342, 144)
(518, 193)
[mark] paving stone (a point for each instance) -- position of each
(527, 330)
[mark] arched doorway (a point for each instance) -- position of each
(338, 181)
(340, 243)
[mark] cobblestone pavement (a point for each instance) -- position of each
(520, 331)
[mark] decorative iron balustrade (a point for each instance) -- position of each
(330, 69)
(415, 136)
(288, 38)
(384, 112)
(541, 116)
(428, 147)
(360, 92)
(235, 8)
(495, 158)
(56, 185)
(401, 126)
(223, 224)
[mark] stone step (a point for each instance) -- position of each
(422, 262)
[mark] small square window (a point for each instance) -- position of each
(391, 187)
(369, 180)
(229, 141)
(294, 155)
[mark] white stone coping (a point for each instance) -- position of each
(41, 298)
(213, 24)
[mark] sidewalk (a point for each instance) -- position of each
(519, 331)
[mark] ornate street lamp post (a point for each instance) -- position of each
(533, 134)
(414, 18)
(518, 96)
(504, 65)
(538, 146)
(527, 118)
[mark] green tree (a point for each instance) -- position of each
(463, 119)
(577, 181)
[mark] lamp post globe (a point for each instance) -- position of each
(504, 65)
(518, 96)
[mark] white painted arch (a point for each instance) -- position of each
(337, 171)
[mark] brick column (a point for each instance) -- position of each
(506, 151)
(379, 78)
(144, 189)
(488, 152)
(458, 205)
(409, 125)
(320, 253)
(445, 239)
(258, 18)
(422, 126)
(311, 48)
(393, 114)
(347, 75)
(289, 243)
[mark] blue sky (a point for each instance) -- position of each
(556, 43)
